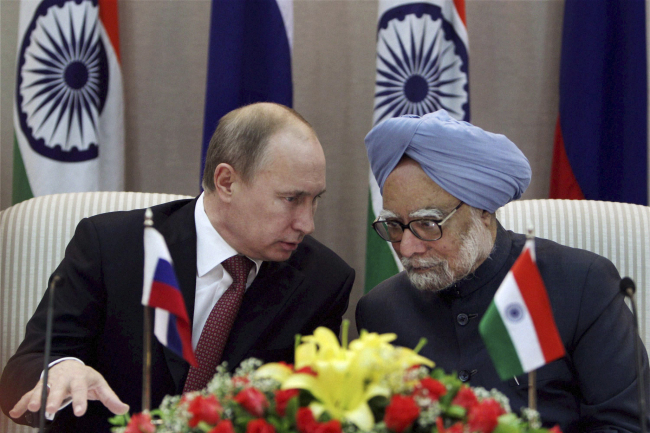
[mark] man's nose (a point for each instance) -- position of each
(411, 244)
(304, 220)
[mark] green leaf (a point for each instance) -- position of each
(305, 398)
(120, 420)
(455, 411)
(378, 407)
(292, 409)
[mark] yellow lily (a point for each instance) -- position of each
(347, 378)
(274, 370)
(341, 389)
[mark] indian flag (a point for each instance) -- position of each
(68, 107)
(518, 328)
(422, 66)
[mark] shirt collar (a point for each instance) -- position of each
(211, 248)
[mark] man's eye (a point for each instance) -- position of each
(290, 199)
(427, 224)
(392, 224)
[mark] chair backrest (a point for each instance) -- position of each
(33, 237)
(618, 231)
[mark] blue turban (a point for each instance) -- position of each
(482, 169)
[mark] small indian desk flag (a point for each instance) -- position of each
(161, 291)
(518, 328)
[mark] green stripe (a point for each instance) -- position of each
(20, 189)
(499, 345)
(380, 263)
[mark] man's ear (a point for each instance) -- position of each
(487, 218)
(225, 177)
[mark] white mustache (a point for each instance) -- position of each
(421, 262)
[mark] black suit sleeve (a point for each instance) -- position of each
(602, 353)
(78, 314)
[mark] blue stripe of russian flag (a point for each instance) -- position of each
(602, 135)
(249, 60)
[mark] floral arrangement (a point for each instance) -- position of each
(366, 386)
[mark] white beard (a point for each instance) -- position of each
(476, 245)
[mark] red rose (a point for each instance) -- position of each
(305, 420)
(307, 370)
(205, 409)
(253, 401)
(555, 429)
(482, 418)
(259, 426)
(140, 423)
(465, 398)
(456, 428)
(224, 426)
(240, 381)
(434, 388)
(282, 397)
(400, 413)
(333, 426)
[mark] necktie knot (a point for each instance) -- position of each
(238, 267)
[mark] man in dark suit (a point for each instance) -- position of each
(265, 172)
(442, 182)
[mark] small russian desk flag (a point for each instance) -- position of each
(161, 291)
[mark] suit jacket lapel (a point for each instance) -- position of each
(179, 231)
(263, 300)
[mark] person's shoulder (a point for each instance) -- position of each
(555, 254)
(311, 252)
(558, 254)
(135, 217)
(397, 285)
(575, 276)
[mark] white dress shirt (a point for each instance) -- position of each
(212, 280)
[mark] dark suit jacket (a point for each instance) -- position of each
(592, 389)
(99, 317)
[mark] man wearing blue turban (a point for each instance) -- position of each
(442, 181)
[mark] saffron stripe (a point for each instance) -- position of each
(533, 291)
(108, 14)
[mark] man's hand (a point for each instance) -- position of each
(71, 379)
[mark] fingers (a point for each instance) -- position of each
(79, 392)
(71, 379)
(59, 391)
(109, 399)
(23, 404)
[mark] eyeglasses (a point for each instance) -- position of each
(426, 229)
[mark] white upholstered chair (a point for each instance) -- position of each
(618, 231)
(33, 237)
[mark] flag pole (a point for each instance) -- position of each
(146, 362)
(532, 375)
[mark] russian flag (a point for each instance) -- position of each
(161, 291)
(601, 137)
(249, 58)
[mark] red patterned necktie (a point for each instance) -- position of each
(217, 328)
